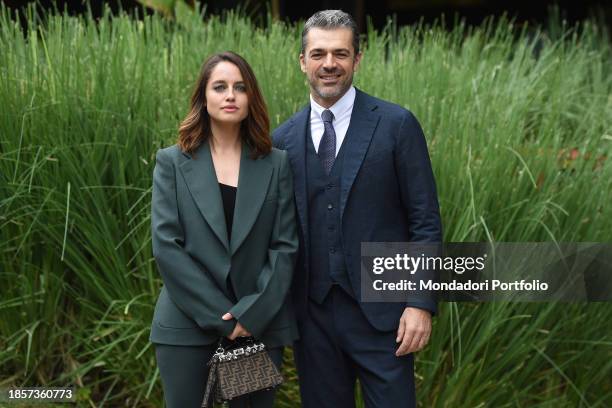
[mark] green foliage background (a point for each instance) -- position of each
(519, 129)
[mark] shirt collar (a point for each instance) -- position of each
(341, 106)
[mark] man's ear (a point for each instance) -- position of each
(357, 61)
(302, 63)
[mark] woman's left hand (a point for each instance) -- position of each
(239, 330)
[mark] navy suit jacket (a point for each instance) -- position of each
(387, 193)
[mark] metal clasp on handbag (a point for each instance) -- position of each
(222, 355)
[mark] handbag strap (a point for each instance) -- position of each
(212, 375)
(212, 379)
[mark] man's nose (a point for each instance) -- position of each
(329, 62)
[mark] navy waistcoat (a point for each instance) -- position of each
(326, 254)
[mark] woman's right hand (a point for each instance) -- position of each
(239, 330)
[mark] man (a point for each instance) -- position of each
(361, 174)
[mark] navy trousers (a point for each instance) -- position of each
(337, 345)
(184, 374)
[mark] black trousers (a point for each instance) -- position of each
(337, 345)
(184, 374)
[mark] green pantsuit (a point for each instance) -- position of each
(205, 274)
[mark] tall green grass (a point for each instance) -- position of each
(520, 133)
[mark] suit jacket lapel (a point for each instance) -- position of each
(364, 119)
(295, 144)
(199, 174)
(253, 184)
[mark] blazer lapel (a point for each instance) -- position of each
(253, 184)
(295, 143)
(199, 174)
(364, 120)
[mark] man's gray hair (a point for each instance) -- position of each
(329, 20)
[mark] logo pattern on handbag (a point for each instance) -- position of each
(236, 371)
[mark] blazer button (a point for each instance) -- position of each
(330, 207)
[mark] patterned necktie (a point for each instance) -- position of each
(327, 147)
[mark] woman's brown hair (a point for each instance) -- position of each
(255, 128)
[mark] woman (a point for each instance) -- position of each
(224, 234)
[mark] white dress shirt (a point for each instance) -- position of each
(342, 111)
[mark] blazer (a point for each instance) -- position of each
(195, 257)
(387, 193)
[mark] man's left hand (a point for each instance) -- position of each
(413, 331)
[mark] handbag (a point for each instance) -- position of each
(239, 368)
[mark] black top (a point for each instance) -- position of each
(228, 195)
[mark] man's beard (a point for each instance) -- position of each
(325, 92)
